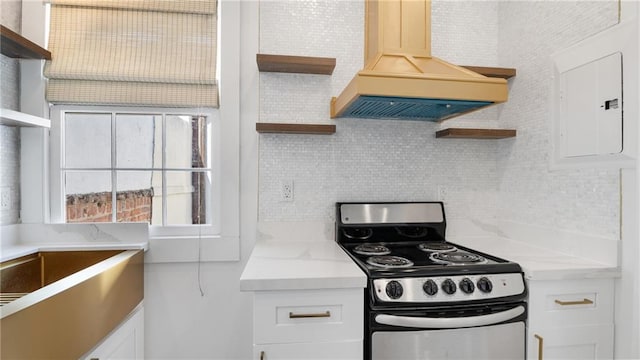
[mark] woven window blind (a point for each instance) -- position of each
(133, 52)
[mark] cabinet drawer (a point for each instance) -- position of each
(570, 302)
(308, 316)
(341, 350)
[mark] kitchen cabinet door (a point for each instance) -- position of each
(576, 342)
(126, 342)
(347, 350)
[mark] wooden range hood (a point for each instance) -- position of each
(401, 80)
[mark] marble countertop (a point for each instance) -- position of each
(278, 265)
(25, 239)
(539, 263)
(278, 262)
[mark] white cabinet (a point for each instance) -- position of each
(308, 324)
(570, 319)
(338, 350)
(124, 342)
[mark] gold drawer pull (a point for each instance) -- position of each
(540, 345)
(579, 302)
(261, 355)
(315, 315)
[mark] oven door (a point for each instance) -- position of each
(497, 333)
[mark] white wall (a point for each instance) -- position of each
(627, 315)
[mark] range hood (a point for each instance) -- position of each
(401, 80)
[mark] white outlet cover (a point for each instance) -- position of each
(286, 190)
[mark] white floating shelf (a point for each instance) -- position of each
(16, 118)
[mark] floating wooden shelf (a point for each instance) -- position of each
(505, 73)
(461, 133)
(295, 64)
(16, 118)
(16, 46)
(280, 128)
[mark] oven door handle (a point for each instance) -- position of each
(449, 323)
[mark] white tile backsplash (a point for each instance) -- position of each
(309, 28)
(10, 13)
(585, 200)
(373, 160)
(10, 172)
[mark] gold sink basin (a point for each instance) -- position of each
(32, 272)
(60, 304)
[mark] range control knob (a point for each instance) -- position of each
(485, 285)
(430, 287)
(394, 289)
(448, 286)
(466, 286)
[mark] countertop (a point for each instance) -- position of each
(280, 263)
(539, 263)
(24, 239)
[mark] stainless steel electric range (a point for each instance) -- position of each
(428, 298)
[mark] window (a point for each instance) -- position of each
(160, 167)
(214, 241)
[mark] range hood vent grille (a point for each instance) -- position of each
(381, 107)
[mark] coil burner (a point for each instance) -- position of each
(413, 232)
(389, 261)
(436, 247)
(372, 249)
(357, 233)
(457, 257)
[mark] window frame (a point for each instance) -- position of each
(173, 245)
(57, 193)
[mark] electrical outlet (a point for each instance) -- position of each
(286, 190)
(5, 198)
(442, 193)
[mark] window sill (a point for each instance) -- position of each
(184, 249)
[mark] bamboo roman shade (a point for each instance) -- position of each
(133, 52)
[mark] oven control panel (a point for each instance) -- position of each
(449, 288)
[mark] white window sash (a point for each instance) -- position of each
(58, 169)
